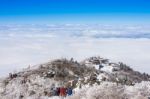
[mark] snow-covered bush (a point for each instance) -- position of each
(109, 90)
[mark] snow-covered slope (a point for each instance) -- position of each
(94, 74)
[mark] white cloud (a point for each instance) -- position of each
(36, 46)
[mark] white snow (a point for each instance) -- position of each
(107, 68)
(96, 66)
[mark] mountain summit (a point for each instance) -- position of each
(108, 80)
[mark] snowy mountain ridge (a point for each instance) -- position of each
(92, 74)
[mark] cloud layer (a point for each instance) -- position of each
(23, 45)
(76, 30)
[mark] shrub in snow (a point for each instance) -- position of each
(109, 90)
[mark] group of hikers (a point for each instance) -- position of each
(12, 75)
(63, 89)
(59, 91)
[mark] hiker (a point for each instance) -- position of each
(14, 75)
(10, 75)
(100, 66)
(69, 91)
(63, 91)
(53, 90)
(57, 91)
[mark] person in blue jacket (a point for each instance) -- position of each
(69, 91)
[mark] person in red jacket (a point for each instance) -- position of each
(63, 91)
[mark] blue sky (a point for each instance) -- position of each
(74, 10)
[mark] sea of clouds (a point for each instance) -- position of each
(30, 44)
